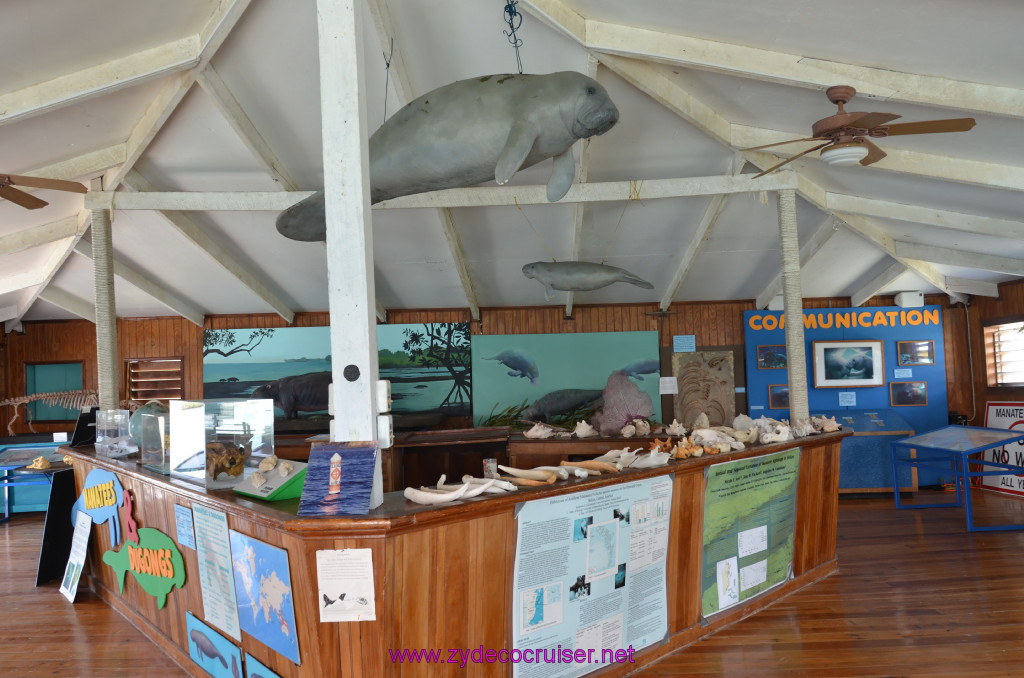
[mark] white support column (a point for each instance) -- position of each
(106, 313)
(793, 301)
(351, 299)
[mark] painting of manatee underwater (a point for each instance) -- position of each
(214, 653)
(429, 367)
(238, 362)
(551, 377)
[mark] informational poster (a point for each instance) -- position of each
(589, 581)
(1008, 416)
(344, 580)
(183, 519)
(213, 550)
(76, 561)
(749, 516)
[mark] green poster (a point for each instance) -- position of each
(749, 514)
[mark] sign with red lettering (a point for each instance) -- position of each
(1007, 416)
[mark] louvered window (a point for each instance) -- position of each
(1004, 353)
(154, 379)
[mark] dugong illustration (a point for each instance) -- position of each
(297, 393)
(472, 131)
(561, 401)
(520, 364)
(579, 276)
(641, 367)
(205, 646)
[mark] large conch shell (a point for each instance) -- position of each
(539, 431)
(584, 430)
(429, 498)
(675, 429)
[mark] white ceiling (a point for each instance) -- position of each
(89, 89)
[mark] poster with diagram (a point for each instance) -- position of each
(589, 576)
(749, 517)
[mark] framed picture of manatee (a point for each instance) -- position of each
(848, 363)
(557, 378)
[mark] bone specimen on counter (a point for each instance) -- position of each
(547, 477)
(258, 479)
(284, 468)
(560, 471)
(651, 460)
(473, 490)
(591, 465)
(268, 463)
(500, 484)
(428, 498)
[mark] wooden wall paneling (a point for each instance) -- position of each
(685, 551)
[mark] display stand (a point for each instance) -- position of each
(953, 447)
(864, 461)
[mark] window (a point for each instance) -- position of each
(154, 379)
(1004, 352)
(48, 378)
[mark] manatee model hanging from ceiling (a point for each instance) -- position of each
(471, 131)
(579, 276)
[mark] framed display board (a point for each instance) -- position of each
(1008, 415)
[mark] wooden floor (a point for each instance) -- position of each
(916, 595)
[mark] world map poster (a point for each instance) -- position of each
(263, 589)
(589, 576)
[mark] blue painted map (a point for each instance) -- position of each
(263, 590)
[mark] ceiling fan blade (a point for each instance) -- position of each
(870, 120)
(783, 143)
(789, 160)
(874, 152)
(43, 182)
(931, 126)
(26, 200)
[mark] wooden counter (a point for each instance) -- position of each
(442, 575)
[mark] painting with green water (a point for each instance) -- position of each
(557, 377)
(428, 365)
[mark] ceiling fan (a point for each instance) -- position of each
(846, 134)
(27, 200)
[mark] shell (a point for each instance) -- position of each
(268, 463)
(643, 427)
(825, 424)
(584, 430)
(539, 431)
(651, 460)
(742, 422)
(701, 421)
(675, 429)
(628, 431)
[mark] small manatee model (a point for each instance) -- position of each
(205, 646)
(298, 393)
(579, 276)
(520, 364)
(642, 367)
(561, 401)
(472, 131)
(155, 562)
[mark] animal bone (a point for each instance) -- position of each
(560, 471)
(581, 472)
(546, 476)
(602, 466)
(268, 463)
(473, 490)
(526, 482)
(502, 484)
(258, 479)
(651, 460)
(284, 468)
(429, 498)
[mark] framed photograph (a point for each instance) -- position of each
(778, 396)
(848, 363)
(915, 353)
(771, 357)
(908, 393)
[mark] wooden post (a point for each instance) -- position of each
(351, 298)
(106, 312)
(792, 296)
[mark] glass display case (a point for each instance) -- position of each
(220, 442)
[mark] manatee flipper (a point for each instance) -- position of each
(517, 147)
(549, 292)
(514, 373)
(562, 174)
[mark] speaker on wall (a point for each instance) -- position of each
(910, 299)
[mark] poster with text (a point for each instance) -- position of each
(213, 552)
(749, 516)
(589, 582)
(1009, 416)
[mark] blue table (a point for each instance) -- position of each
(16, 498)
(953, 446)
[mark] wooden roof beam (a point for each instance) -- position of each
(199, 238)
(117, 74)
(69, 302)
(951, 257)
(145, 283)
(930, 216)
(779, 67)
(878, 283)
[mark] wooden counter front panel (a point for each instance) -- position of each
(817, 507)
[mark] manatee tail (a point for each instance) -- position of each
(628, 277)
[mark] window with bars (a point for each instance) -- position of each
(154, 379)
(1004, 352)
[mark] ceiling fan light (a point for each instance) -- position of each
(844, 155)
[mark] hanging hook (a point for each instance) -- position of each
(514, 20)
